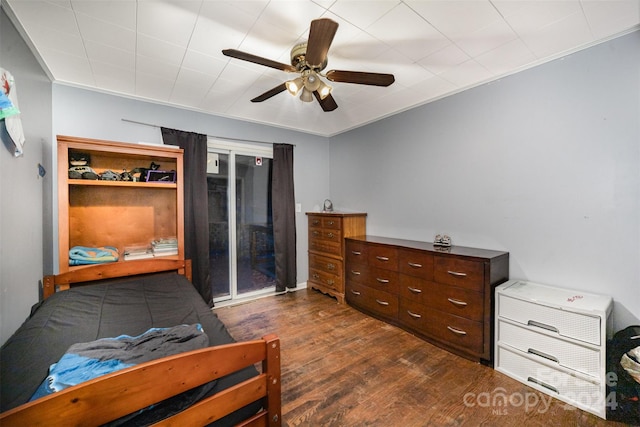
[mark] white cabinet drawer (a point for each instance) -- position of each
(579, 326)
(540, 345)
(555, 382)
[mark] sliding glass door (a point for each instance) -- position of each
(242, 260)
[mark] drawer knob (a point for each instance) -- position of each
(382, 302)
(355, 292)
(316, 233)
(414, 315)
(543, 384)
(330, 282)
(544, 355)
(356, 252)
(415, 290)
(331, 222)
(331, 266)
(385, 281)
(330, 235)
(543, 326)
(316, 276)
(457, 273)
(415, 265)
(457, 302)
(456, 330)
(382, 258)
(355, 273)
(316, 222)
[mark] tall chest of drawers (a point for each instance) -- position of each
(327, 231)
(554, 340)
(442, 295)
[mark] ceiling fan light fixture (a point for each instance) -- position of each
(324, 90)
(294, 86)
(306, 95)
(312, 81)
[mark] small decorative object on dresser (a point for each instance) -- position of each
(327, 231)
(445, 297)
(554, 340)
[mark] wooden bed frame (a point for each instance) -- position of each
(115, 395)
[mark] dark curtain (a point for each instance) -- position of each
(284, 221)
(196, 220)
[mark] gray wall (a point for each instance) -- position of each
(544, 164)
(21, 189)
(90, 114)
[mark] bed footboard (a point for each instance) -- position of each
(121, 393)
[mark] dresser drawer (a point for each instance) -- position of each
(326, 246)
(355, 252)
(326, 279)
(459, 272)
(457, 301)
(416, 263)
(544, 347)
(384, 280)
(453, 330)
(570, 324)
(325, 264)
(383, 257)
(332, 223)
(556, 382)
(372, 300)
(358, 273)
(325, 234)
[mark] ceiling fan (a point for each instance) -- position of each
(309, 60)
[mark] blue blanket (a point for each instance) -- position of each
(79, 255)
(85, 361)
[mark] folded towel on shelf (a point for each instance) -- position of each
(79, 255)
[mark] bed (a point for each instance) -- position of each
(222, 382)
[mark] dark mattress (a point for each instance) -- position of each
(111, 308)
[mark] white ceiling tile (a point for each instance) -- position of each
(106, 33)
(171, 21)
(114, 79)
(160, 50)
(611, 17)
(121, 13)
(290, 16)
(456, 19)
(197, 61)
(485, 39)
(467, 74)
(506, 58)
(408, 33)
(559, 37)
(527, 16)
(35, 13)
(153, 87)
(68, 68)
(155, 67)
(362, 17)
(47, 38)
(110, 55)
(445, 58)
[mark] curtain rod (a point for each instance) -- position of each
(211, 136)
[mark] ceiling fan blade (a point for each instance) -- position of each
(321, 35)
(328, 103)
(361, 78)
(233, 53)
(271, 92)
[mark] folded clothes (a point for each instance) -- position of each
(79, 255)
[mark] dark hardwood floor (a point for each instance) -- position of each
(343, 368)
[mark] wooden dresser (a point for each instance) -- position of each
(442, 295)
(327, 231)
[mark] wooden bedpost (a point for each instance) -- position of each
(271, 365)
(48, 286)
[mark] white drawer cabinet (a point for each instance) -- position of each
(554, 340)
